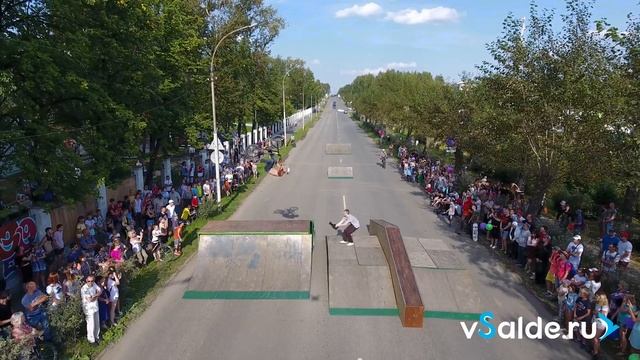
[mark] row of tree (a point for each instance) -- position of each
(88, 87)
(555, 106)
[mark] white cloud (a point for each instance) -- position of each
(365, 10)
(427, 15)
(315, 62)
(376, 71)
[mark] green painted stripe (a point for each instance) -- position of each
(447, 315)
(340, 177)
(246, 295)
(252, 233)
(363, 312)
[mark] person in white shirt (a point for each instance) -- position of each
(114, 294)
(624, 249)
(350, 223)
(575, 250)
(206, 189)
(90, 293)
(54, 290)
(155, 240)
(172, 214)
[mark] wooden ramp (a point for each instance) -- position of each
(253, 260)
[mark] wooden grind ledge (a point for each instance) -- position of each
(405, 287)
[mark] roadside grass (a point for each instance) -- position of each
(139, 292)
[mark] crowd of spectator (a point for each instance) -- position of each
(496, 214)
(88, 269)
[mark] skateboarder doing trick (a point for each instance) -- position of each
(352, 224)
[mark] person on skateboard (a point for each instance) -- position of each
(352, 224)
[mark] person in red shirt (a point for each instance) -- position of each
(467, 212)
(194, 202)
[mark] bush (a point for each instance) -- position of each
(208, 209)
(67, 321)
(12, 350)
(575, 198)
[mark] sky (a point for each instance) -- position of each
(342, 39)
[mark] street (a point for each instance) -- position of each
(173, 328)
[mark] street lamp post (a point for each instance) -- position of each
(284, 113)
(213, 108)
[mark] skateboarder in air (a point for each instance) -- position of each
(352, 224)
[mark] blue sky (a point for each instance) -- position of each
(342, 39)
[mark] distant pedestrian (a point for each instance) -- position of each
(352, 224)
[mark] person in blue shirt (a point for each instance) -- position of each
(88, 243)
(611, 238)
(34, 303)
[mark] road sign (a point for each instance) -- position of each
(220, 157)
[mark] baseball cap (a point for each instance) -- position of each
(577, 237)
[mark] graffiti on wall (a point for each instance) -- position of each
(13, 234)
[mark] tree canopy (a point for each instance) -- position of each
(89, 87)
(555, 106)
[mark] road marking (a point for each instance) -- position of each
(340, 160)
(344, 202)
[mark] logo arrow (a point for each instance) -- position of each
(611, 327)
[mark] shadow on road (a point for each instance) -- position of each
(290, 213)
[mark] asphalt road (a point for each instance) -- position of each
(173, 328)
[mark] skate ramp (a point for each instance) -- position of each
(338, 149)
(252, 260)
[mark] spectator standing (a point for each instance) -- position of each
(155, 240)
(103, 302)
(575, 250)
(80, 227)
(137, 209)
(24, 257)
(137, 247)
(54, 289)
(70, 285)
(610, 238)
(601, 308)
(113, 281)
(608, 218)
(523, 240)
(39, 264)
(58, 246)
(582, 311)
(625, 321)
(100, 222)
(90, 293)
(624, 249)
(610, 260)
(177, 239)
